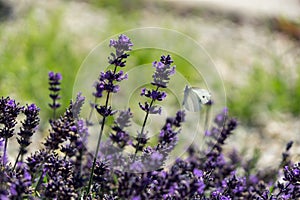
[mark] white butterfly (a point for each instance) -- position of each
(194, 98)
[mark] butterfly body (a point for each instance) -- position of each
(195, 98)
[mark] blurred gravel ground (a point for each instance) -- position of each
(254, 8)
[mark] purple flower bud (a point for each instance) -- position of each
(106, 82)
(11, 103)
(198, 173)
(151, 110)
(105, 111)
(153, 94)
(54, 87)
(9, 111)
(163, 71)
(121, 45)
(137, 166)
(136, 198)
(124, 118)
(55, 77)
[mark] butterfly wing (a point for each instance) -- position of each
(203, 95)
(191, 101)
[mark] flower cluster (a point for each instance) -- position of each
(9, 111)
(168, 135)
(106, 79)
(106, 82)
(121, 137)
(28, 127)
(121, 45)
(163, 71)
(54, 88)
(65, 169)
(161, 77)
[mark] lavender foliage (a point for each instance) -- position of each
(61, 169)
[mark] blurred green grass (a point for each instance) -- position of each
(31, 47)
(266, 93)
(29, 50)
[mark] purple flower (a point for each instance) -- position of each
(292, 174)
(220, 118)
(121, 137)
(105, 111)
(9, 110)
(60, 179)
(101, 172)
(62, 129)
(124, 118)
(160, 79)
(222, 197)
(168, 135)
(121, 45)
(54, 88)
(55, 78)
(150, 109)
(142, 140)
(152, 158)
(20, 184)
(163, 71)
(106, 82)
(198, 173)
(28, 127)
(77, 105)
(137, 167)
(136, 198)
(154, 94)
(111, 76)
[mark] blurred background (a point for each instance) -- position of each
(253, 44)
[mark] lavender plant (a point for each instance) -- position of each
(106, 83)
(28, 128)
(54, 88)
(163, 70)
(64, 168)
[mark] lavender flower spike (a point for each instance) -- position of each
(121, 137)
(163, 71)
(28, 128)
(160, 80)
(106, 82)
(54, 87)
(121, 45)
(9, 111)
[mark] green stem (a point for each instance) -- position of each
(98, 143)
(4, 151)
(96, 155)
(143, 127)
(17, 160)
(41, 176)
(39, 183)
(54, 109)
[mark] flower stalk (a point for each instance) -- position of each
(106, 82)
